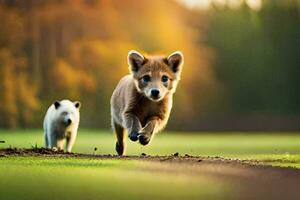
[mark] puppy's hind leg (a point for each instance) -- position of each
(120, 133)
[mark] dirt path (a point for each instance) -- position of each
(249, 180)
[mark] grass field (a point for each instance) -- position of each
(278, 148)
(85, 178)
(40, 178)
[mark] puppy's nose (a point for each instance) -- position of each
(69, 121)
(155, 93)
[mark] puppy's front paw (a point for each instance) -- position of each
(144, 139)
(133, 136)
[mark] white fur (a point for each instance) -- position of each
(55, 119)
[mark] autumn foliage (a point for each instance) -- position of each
(77, 49)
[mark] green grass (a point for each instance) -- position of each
(83, 178)
(70, 178)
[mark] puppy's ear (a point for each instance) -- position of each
(175, 61)
(56, 104)
(135, 61)
(77, 104)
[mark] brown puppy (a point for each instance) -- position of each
(142, 101)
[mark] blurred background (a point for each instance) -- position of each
(241, 72)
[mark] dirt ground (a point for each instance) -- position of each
(251, 179)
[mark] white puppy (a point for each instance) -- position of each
(61, 123)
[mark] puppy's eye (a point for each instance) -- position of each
(146, 78)
(164, 78)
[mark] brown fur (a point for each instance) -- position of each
(133, 106)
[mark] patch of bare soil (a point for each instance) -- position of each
(246, 179)
(176, 157)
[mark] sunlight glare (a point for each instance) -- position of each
(254, 4)
(201, 4)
